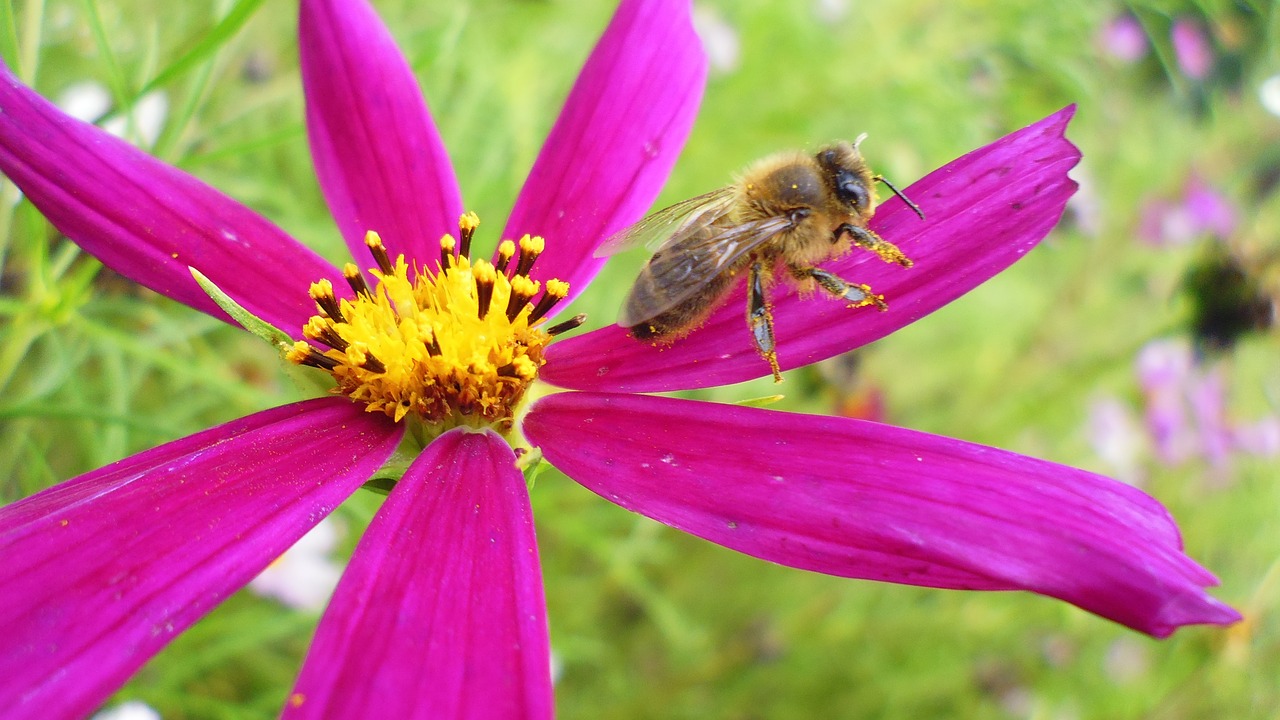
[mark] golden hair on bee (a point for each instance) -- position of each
(784, 215)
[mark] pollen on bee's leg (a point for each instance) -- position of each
(373, 241)
(772, 357)
(556, 291)
(859, 295)
(868, 240)
(467, 225)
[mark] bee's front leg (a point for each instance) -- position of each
(868, 240)
(856, 294)
(760, 320)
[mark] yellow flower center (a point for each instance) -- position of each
(454, 347)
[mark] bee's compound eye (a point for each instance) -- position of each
(854, 193)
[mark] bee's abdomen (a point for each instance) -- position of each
(678, 319)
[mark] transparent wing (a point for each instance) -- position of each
(666, 224)
(695, 255)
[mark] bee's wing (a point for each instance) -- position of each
(694, 256)
(666, 224)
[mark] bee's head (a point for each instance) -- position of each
(848, 177)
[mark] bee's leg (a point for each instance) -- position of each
(868, 240)
(760, 319)
(856, 294)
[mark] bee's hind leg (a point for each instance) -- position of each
(868, 240)
(856, 294)
(760, 319)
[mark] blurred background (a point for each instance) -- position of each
(1135, 342)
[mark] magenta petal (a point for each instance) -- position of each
(149, 221)
(985, 210)
(441, 612)
(865, 500)
(616, 139)
(102, 571)
(380, 161)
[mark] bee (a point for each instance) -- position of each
(788, 212)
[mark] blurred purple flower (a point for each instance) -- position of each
(1201, 211)
(1192, 48)
(441, 609)
(1186, 409)
(1123, 38)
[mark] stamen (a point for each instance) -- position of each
(467, 225)
(556, 291)
(322, 293)
(355, 279)
(485, 276)
(358, 354)
(567, 325)
(530, 249)
(522, 290)
(303, 354)
(454, 347)
(506, 251)
(433, 345)
(374, 242)
(521, 368)
(446, 251)
(320, 329)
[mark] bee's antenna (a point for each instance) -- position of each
(896, 191)
(858, 140)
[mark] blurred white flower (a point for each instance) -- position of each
(89, 101)
(132, 710)
(1117, 439)
(85, 101)
(719, 39)
(305, 575)
(831, 11)
(1269, 94)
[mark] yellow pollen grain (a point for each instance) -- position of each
(557, 288)
(469, 222)
(534, 244)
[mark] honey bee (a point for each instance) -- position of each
(789, 211)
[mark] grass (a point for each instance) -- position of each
(646, 621)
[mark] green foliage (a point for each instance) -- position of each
(646, 621)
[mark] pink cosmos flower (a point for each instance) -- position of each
(1192, 48)
(441, 610)
(1123, 38)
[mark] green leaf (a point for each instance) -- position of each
(759, 402)
(208, 44)
(273, 335)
